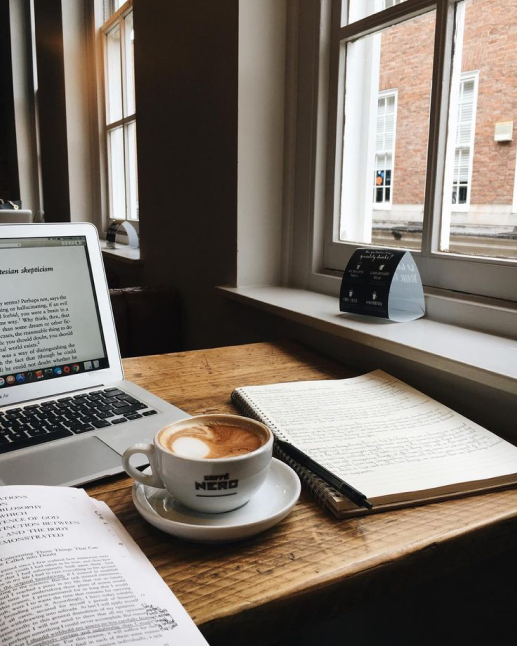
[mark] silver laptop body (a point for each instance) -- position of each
(58, 345)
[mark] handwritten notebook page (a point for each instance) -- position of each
(381, 435)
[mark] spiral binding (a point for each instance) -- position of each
(319, 490)
(245, 404)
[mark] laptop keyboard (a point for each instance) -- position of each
(52, 420)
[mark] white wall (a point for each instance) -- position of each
(80, 98)
(262, 47)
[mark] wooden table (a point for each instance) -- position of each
(311, 565)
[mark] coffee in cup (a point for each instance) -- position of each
(210, 463)
(212, 440)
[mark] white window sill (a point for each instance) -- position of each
(484, 358)
(123, 253)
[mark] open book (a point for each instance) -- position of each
(391, 442)
(71, 574)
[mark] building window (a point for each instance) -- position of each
(452, 202)
(463, 153)
(120, 111)
(384, 149)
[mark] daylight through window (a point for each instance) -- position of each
(426, 152)
(120, 128)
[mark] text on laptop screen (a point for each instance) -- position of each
(49, 319)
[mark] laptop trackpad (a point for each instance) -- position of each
(62, 465)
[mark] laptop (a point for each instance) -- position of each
(66, 412)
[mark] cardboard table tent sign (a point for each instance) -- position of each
(383, 283)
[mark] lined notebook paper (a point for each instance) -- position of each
(388, 440)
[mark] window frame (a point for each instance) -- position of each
(117, 19)
(110, 8)
(317, 258)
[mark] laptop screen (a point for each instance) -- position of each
(49, 317)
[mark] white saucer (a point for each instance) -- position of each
(271, 504)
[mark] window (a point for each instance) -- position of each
(372, 66)
(363, 8)
(401, 76)
(111, 7)
(463, 156)
(384, 148)
(120, 111)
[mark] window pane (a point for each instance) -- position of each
(387, 98)
(116, 174)
(132, 177)
(362, 8)
(479, 213)
(111, 6)
(129, 36)
(113, 76)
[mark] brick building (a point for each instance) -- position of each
(482, 182)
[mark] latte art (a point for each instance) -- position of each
(211, 440)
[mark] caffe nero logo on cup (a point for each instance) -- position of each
(217, 483)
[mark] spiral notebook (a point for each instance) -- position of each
(391, 442)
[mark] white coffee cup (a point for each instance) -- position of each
(180, 461)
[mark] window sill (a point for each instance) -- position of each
(122, 253)
(484, 358)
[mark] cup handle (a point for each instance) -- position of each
(149, 450)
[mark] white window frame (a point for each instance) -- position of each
(318, 257)
(110, 8)
(117, 19)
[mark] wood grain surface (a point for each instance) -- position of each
(257, 590)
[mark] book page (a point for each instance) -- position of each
(380, 435)
(70, 574)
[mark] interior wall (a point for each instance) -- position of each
(52, 110)
(186, 67)
(210, 102)
(79, 96)
(9, 185)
